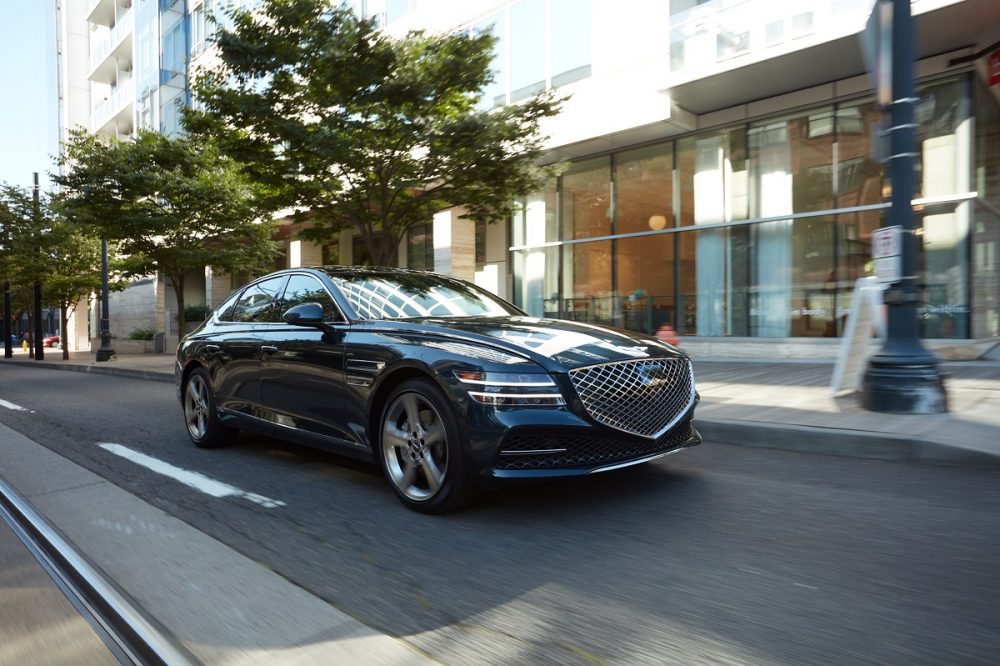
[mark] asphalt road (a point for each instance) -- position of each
(717, 555)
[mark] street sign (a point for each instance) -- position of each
(887, 251)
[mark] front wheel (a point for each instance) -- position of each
(200, 415)
(420, 451)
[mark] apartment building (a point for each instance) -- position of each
(725, 162)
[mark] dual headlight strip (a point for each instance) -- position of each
(511, 389)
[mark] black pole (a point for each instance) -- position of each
(903, 377)
(8, 351)
(105, 353)
(37, 298)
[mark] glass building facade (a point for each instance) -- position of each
(761, 229)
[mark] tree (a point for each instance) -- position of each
(351, 127)
(21, 261)
(172, 205)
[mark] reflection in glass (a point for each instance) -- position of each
(644, 189)
(586, 200)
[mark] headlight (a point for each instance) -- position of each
(511, 389)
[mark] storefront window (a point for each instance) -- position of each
(587, 284)
(536, 270)
(644, 189)
(586, 200)
(645, 279)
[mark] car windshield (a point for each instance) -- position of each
(405, 295)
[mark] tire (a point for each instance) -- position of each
(426, 465)
(201, 417)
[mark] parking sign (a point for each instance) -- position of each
(887, 250)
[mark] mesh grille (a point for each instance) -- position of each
(642, 397)
(582, 450)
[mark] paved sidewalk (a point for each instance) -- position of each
(772, 404)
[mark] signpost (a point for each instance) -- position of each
(903, 376)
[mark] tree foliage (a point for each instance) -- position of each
(170, 205)
(351, 127)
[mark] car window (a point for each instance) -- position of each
(405, 295)
(307, 289)
(226, 309)
(256, 303)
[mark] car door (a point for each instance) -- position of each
(303, 367)
(238, 338)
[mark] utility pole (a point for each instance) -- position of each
(903, 377)
(37, 300)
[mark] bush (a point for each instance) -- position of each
(142, 334)
(196, 312)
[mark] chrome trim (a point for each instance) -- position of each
(637, 461)
(364, 365)
(520, 395)
(486, 382)
(353, 380)
(532, 452)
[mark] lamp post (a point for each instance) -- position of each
(903, 376)
(105, 352)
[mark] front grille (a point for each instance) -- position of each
(580, 450)
(641, 397)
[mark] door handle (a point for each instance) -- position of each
(268, 349)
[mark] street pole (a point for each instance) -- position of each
(105, 353)
(37, 296)
(903, 377)
(8, 352)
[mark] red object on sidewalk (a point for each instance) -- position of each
(668, 335)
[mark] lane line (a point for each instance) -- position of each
(11, 406)
(195, 480)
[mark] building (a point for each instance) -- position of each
(724, 164)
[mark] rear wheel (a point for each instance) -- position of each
(420, 451)
(200, 414)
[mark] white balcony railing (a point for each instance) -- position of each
(726, 33)
(113, 37)
(123, 96)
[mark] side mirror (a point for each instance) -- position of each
(307, 314)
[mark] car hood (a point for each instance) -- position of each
(556, 344)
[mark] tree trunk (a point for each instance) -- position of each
(179, 293)
(63, 338)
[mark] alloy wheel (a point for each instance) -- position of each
(415, 446)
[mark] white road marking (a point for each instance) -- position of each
(194, 480)
(12, 406)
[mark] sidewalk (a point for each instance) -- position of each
(771, 404)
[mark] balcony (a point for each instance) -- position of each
(728, 52)
(114, 114)
(115, 46)
(101, 12)
(725, 34)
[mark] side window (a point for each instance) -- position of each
(256, 303)
(307, 289)
(226, 309)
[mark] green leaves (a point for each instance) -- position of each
(170, 205)
(355, 128)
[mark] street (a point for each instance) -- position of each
(718, 555)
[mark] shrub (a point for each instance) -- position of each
(142, 334)
(196, 312)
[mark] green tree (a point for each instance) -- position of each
(351, 127)
(171, 205)
(22, 234)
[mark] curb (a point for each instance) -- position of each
(150, 375)
(842, 442)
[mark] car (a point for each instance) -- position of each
(447, 387)
(50, 341)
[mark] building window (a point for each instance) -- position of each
(420, 247)
(570, 41)
(360, 256)
(480, 242)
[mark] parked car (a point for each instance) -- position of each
(447, 387)
(50, 341)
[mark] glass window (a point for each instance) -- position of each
(226, 309)
(644, 189)
(495, 93)
(174, 54)
(480, 242)
(256, 303)
(586, 199)
(420, 247)
(645, 278)
(570, 41)
(536, 282)
(307, 289)
(378, 296)
(527, 49)
(587, 285)
(331, 254)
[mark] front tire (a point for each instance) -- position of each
(420, 450)
(200, 414)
